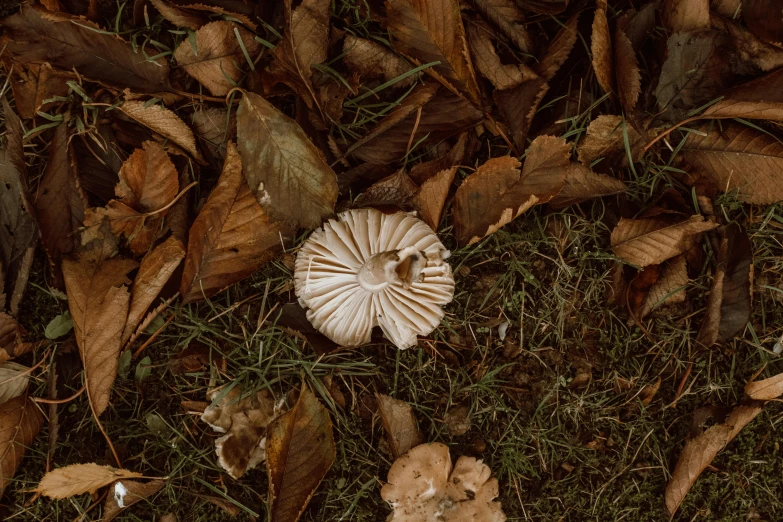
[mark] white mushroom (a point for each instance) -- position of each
(422, 486)
(367, 269)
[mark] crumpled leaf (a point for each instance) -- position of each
(679, 16)
(399, 423)
(230, 238)
(432, 31)
(370, 59)
(13, 380)
(765, 389)
(669, 288)
(124, 493)
(35, 35)
(20, 422)
(285, 171)
(651, 241)
(699, 452)
(164, 122)
(300, 450)
(581, 184)
(502, 76)
(508, 18)
(77, 479)
(217, 60)
(98, 300)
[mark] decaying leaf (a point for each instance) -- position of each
(627, 70)
(34, 86)
(518, 106)
(216, 59)
(13, 380)
(601, 47)
(649, 241)
(215, 127)
(98, 299)
(20, 422)
(164, 122)
(699, 452)
(680, 16)
(482, 50)
(559, 49)
(765, 389)
(80, 478)
(431, 31)
(508, 18)
(285, 171)
(35, 35)
(605, 138)
(10, 336)
(230, 238)
(669, 288)
(498, 191)
(397, 189)
(300, 450)
(124, 493)
(399, 423)
(370, 59)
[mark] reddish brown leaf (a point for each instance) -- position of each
(601, 47)
(399, 423)
(680, 16)
(432, 196)
(669, 288)
(627, 71)
(231, 237)
(164, 122)
(77, 479)
(765, 18)
(124, 493)
(649, 241)
(760, 99)
(20, 422)
(518, 106)
(508, 18)
(178, 16)
(33, 84)
(559, 49)
(488, 62)
(300, 450)
(428, 169)
(582, 184)
(765, 389)
(370, 59)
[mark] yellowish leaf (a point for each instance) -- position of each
(80, 478)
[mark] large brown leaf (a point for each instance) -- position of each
(60, 202)
(498, 192)
(738, 158)
(20, 422)
(508, 18)
(699, 452)
(77, 479)
(35, 85)
(432, 31)
(760, 99)
(300, 450)
(231, 237)
(601, 47)
(216, 59)
(651, 241)
(98, 300)
(164, 122)
(283, 168)
(685, 15)
(765, 389)
(399, 423)
(35, 35)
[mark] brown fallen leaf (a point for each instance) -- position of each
(765, 389)
(35, 35)
(124, 493)
(163, 122)
(10, 336)
(300, 450)
(98, 300)
(482, 50)
(80, 478)
(559, 49)
(629, 85)
(431, 197)
(764, 18)
(760, 99)
(397, 189)
(179, 16)
(285, 171)
(370, 59)
(601, 48)
(426, 170)
(155, 270)
(680, 16)
(605, 138)
(230, 238)
(738, 158)
(669, 288)
(508, 18)
(399, 423)
(20, 422)
(60, 202)
(581, 184)
(700, 451)
(649, 241)
(13, 380)
(749, 47)
(518, 106)
(498, 191)
(216, 59)
(431, 31)
(34, 85)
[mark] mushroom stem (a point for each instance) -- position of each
(394, 267)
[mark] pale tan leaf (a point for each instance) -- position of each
(581, 184)
(765, 389)
(508, 18)
(370, 59)
(154, 271)
(37, 35)
(399, 423)
(217, 59)
(178, 16)
(649, 241)
(300, 450)
(502, 76)
(601, 48)
(20, 422)
(432, 31)
(80, 478)
(559, 49)
(10, 336)
(432, 196)
(164, 122)
(13, 380)
(124, 493)
(680, 16)
(98, 300)
(231, 237)
(627, 71)
(760, 99)
(738, 158)
(283, 168)
(669, 288)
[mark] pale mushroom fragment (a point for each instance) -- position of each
(423, 486)
(367, 269)
(244, 421)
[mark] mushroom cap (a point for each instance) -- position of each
(423, 486)
(366, 269)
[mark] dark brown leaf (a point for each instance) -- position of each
(509, 20)
(627, 71)
(760, 99)
(35, 83)
(300, 450)
(649, 241)
(180, 17)
(397, 189)
(605, 139)
(548, 7)
(164, 122)
(765, 18)
(432, 195)
(124, 493)
(765, 389)
(601, 47)
(669, 288)
(559, 49)
(215, 127)
(488, 62)
(399, 423)
(518, 106)
(370, 59)
(20, 422)
(581, 184)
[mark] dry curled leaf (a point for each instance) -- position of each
(283, 168)
(300, 450)
(765, 389)
(230, 238)
(216, 59)
(399, 423)
(124, 493)
(650, 241)
(20, 422)
(669, 288)
(80, 478)
(164, 122)
(370, 59)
